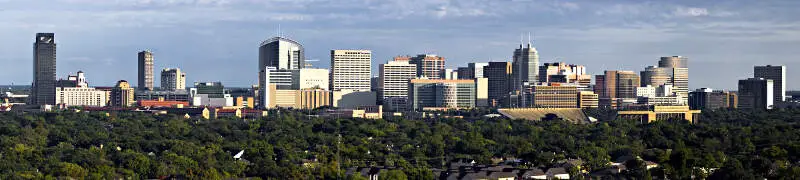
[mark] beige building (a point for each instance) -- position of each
(350, 70)
(588, 99)
(173, 79)
(481, 92)
(350, 99)
(393, 83)
(555, 96)
(122, 95)
(300, 99)
(660, 113)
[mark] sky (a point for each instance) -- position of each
(217, 40)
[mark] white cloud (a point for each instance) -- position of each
(690, 12)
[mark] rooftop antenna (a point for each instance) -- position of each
(521, 40)
(279, 30)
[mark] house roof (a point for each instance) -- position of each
(555, 171)
(495, 175)
(532, 172)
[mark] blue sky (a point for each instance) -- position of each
(216, 40)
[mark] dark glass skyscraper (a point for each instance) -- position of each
(43, 90)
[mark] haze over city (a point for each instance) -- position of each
(217, 40)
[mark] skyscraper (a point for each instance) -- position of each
(43, 90)
(778, 76)
(627, 81)
(281, 54)
(655, 76)
(499, 82)
(429, 65)
(394, 77)
(350, 70)
(613, 85)
(173, 79)
(145, 70)
(526, 66)
(678, 70)
(756, 93)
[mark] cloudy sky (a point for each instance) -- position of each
(216, 40)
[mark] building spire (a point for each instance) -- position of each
(278, 33)
(521, 39)
(529, 39)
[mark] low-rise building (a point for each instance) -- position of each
(660, 113)
(706, 98)
(368, 112)
(162, 103)
(588, 99)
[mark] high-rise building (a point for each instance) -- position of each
(43, 90)
(472, 71)
(627, 81)
(122, 95)
(778, 76)
(281, 54)
(173, 79)
(555, 96)
(428, 65)
(655, 76)
(678, 70)
(706, 98)
(613, 85)
(441, 94)
(756, 93)
(525, 66)
(145, 70)
(350, 70)
(674, 62)
(499, 75)
(394, 77)
(311, 78)
(561, 72)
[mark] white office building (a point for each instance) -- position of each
(393, 82)
(350, 70)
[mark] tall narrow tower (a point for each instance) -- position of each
(43, 90)
(525, 66)
(145, 70)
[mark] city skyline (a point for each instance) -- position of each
(80, 46)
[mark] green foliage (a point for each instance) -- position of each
(292, 145)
